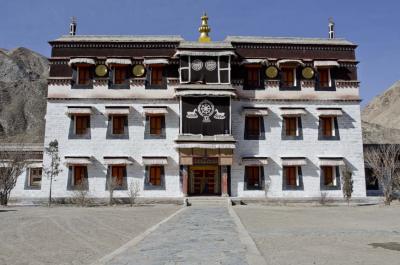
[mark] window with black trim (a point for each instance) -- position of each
(292, 178)
(81, 124)
(330, 177)
(35, 177)
(288, 77)
(253, 77)
(324, 77)
(254, 128)
(254, 177)
(78, 177)
(156, 75)
(156, 125)
(328, 128)
(154, 177)
(118, 124)
(83, 75)
(117, 175)
(292, 128)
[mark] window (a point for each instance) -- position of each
(79, 175)
(35, 177)
(156, 124)
(83, 75)
(82, 124)
(291, 126)
(120, 74)
(252, 127)
(155, 175)
(156, 75)
(292, 179)
(254, 177)
(117, 175)
(288, 77)
(118, 124)
(330, 177)
(324, 77)
(253, 77)
(328, 128)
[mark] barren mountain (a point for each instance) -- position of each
(381, 117)
(23, 90)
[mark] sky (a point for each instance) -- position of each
(373, 25)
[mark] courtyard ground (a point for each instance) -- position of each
(216, 234)
(324, 235)
(71, 235)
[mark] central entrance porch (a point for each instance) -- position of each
(204, 180)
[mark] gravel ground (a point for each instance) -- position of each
(367, 235)
(71, 235)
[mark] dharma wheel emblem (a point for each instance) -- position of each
(197, 65)
(206, 109)
(211, 65)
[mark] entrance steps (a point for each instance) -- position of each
(207, 201)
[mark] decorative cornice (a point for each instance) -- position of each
(347, 84)
(116, 45)
(293, 47)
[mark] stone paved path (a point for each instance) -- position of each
(198, 235)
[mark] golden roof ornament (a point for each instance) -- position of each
(204, 29)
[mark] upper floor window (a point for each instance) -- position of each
(118, 124)
(156, 75)
(328, 128)
(324, 77)
(120, 74)
(253, 77)
(288, 76)
(82, 124)
(205, 69)
(253, 127)
(83, 75)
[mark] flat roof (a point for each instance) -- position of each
(287, 40)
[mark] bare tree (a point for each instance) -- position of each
(53, 169)
(112, 184)
(347, 183)
(12, 164)
(133, 191)
(384, 162)
(81, 195)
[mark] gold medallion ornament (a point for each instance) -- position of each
(101, 70)
(138, 70)
(271, 72)
(308, 73)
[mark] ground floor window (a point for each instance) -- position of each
(154, 176)
(117, 176)
(253, 177)
(330, 177)
(35, 177)
(292, 178)
(78, 175)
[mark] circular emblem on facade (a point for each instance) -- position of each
(206, 109)
(197, 65)
(271, 72)
(211, 65)
(138, 70)
(101, 70)
(308, 73)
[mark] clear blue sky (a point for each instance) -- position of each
(373, 25)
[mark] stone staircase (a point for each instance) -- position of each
(207, 201)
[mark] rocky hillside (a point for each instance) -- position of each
(23, 90)
(381, 117)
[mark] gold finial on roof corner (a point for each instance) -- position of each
(204, 29)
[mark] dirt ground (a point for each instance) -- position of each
(71, 235)
(367, 235)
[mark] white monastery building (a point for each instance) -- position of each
(246, 117)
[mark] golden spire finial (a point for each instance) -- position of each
(204, 29)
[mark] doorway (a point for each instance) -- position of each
(204, 181)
